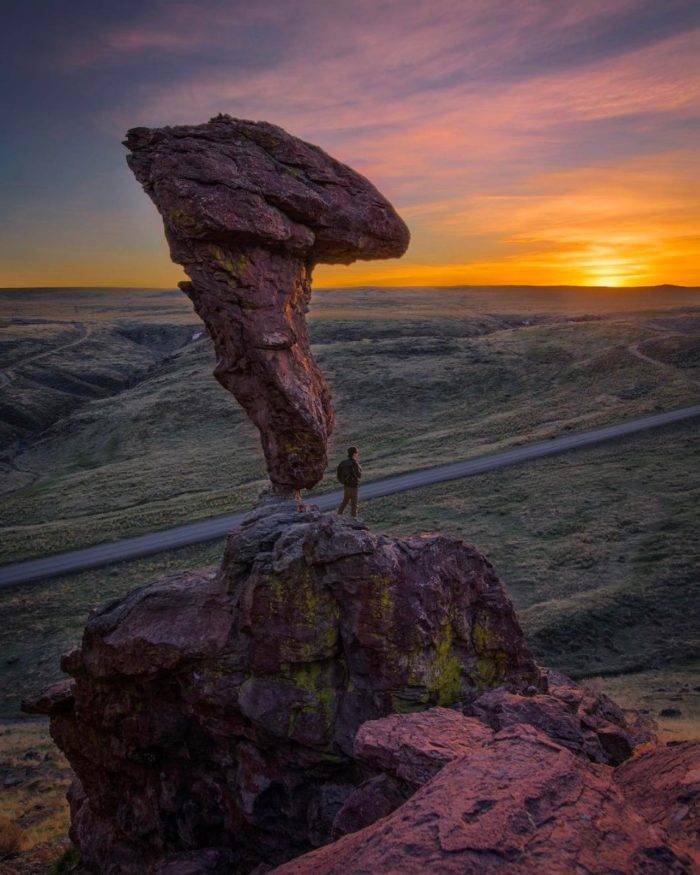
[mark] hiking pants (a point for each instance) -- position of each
(349, 496)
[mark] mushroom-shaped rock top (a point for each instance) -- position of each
(248, 211)
(253, 183)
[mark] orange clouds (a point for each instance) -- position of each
(627, 224)
(504, 179)
(522, 142)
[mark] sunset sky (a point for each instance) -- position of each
(523, 141)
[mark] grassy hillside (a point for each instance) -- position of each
(52, 370)
(411, 387)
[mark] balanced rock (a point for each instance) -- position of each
(220, 709)
(248, 211)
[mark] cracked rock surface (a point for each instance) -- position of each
(248, 211)
(518, 803)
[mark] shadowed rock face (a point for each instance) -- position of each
(221, 710)
(248, 211)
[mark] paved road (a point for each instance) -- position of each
(210, 529)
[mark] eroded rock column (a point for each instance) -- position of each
(254, 303)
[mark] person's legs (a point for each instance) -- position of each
(346, 499)
(353, 500)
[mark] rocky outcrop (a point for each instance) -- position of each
(220, 710)
(516, 804)
(414, 747)
(663, 786)
(578, 718)
(248, 211)
(369, 697)
(404, 751)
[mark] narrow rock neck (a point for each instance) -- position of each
(254, 303)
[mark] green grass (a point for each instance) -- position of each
(412, 391)
(34, 777)
(54, 370)
(598, 550)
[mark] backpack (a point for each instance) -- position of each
(345, 471)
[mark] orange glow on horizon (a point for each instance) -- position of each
(623, 225)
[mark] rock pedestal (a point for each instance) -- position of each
(367, 697)
(220, 709)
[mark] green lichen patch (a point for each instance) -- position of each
(234, 267)
(381, 601)
(444, 681)
(489, 670)
(490, 666)
(316, 682)
(301, 616)
(185, 222)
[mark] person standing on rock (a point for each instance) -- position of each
(350, 473)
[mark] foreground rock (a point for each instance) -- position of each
(584, 721)
(217, 713)
(518, 804)
(248, 211)
(404, 751)
(663, 786)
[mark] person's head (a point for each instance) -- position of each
(353, 452)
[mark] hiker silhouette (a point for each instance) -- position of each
(349, 474)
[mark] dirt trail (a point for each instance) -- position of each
(635, 350)
(8, 374)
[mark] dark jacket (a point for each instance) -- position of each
(349, 473)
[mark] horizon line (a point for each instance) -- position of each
(374, 286)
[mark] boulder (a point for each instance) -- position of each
(248, 211)
(219, 710)
(56, 698)
(663, 785)
(517, 804)
(414, 747)
(406, 750)
(583, 720)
